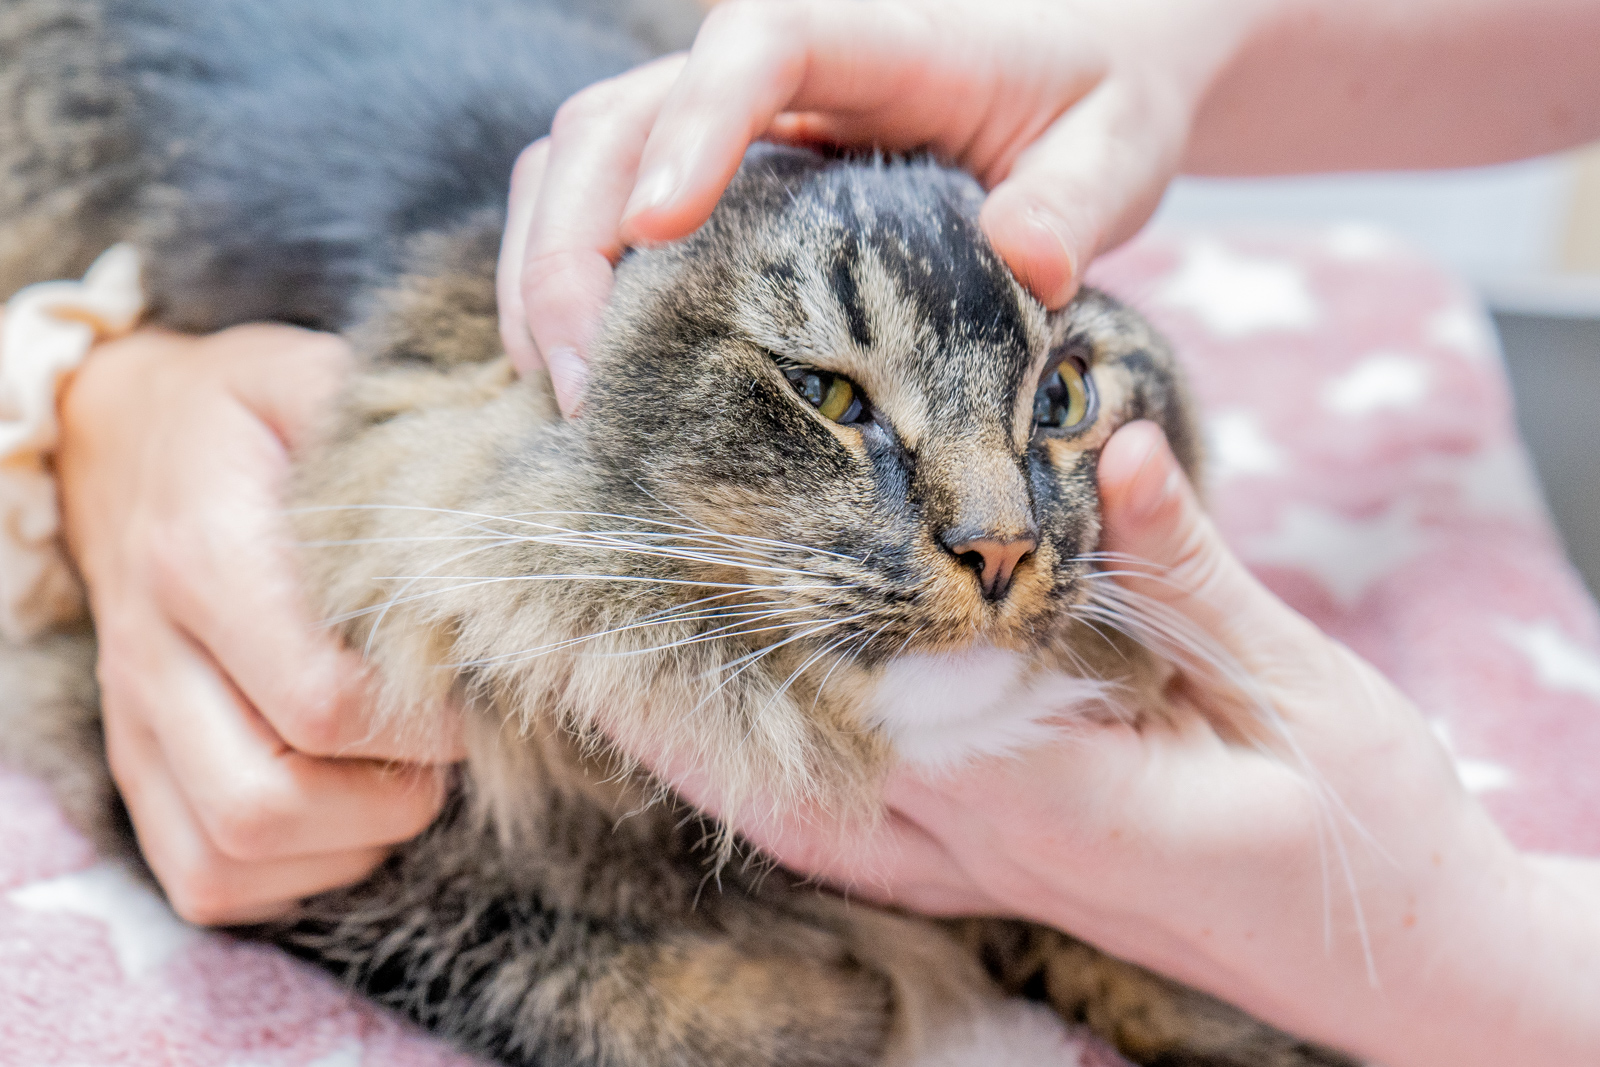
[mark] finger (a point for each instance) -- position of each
(892, 76)
(225, 574)
(287, 376)
(573, 240)
(1152, 513)
(255, 798)
(893, 861)
(1089, 183)
(526, 179)
(750, 62)
(203, 885)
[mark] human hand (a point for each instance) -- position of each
(1074, 114)
(1334, 878)
(238, 730)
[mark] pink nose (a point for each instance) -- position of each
(995, 561)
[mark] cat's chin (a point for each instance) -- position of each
(941, 709)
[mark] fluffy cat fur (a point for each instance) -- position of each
(701, 566)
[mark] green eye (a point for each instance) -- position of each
(833, 395)
(1065, 399)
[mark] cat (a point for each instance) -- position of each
(830, 505)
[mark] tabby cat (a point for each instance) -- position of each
(831, 504)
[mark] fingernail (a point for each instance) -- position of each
(568, 375)
(653, 191)
(1054, 291)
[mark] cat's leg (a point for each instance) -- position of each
(575, 935)
(1150, 1019)
(947, 1011)
(587, 950)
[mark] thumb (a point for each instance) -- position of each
(1152, 514)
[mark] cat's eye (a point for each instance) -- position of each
(834, 396)
(1066, 398)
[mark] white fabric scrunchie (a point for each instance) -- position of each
(47, 331)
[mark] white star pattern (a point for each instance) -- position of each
(1559, 662)
(1497, 480)
(143, 932)
(1477, 775)
(1345, 555)
(1358, 241)
(1383, 381)
(1236, 296)
(1463, 328)
(1239, 446)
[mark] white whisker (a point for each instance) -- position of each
(1167, 632)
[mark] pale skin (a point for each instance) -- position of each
(1075, 115)
(224, 701)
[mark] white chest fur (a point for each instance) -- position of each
(941, 710)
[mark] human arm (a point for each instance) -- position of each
(1075, 115)
(1238, 870)
(239, 731)
(1328, 85)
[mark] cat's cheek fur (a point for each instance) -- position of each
(940, 710)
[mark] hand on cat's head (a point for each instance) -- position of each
(1074, 136)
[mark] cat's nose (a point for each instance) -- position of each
(994, 560)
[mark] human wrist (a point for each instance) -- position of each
(1561, 987)
(1522, 985)
(1509, 974)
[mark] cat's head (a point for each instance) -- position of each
(848, 402)
(832, 493)
(845, 402)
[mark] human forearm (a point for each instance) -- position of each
(1510, 975)
(1559, 999)
(1371, 84)
(1517, 985)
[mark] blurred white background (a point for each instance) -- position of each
(1510, 223)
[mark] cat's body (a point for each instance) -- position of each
(721, 563)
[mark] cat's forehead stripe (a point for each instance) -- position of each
(842, 279)
(943, 265)
(882, 274)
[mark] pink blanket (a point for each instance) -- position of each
(1364, 462)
